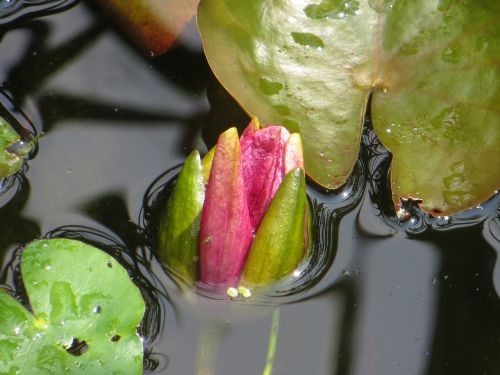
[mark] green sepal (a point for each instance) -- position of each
(180, 225)
(206, 164)
(279, 244)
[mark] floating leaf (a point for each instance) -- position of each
(432, 67)
(10, 163)
(154, 25)
(85, 314)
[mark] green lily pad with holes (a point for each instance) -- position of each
(10, 163)
(84, 319)
(432, 66)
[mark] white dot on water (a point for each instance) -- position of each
(296, 273)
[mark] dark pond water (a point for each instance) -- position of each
(420, 297)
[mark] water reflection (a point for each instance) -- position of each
(467, 332)
(15, 229)
(15, 10)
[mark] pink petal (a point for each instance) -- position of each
(226, 230)
(263, 154)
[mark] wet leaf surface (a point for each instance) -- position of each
(85, 314)
(10, 163)
(432, 67)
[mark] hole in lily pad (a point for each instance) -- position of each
(115, 338)
(77, 347)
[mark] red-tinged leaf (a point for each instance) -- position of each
(263, 158)
(153, 25)
(226, 230)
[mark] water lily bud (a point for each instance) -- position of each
(254, 217)
(180, 227)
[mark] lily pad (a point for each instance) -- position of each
(433, 68)
(10, 163)
(85, 314)
(154, 25)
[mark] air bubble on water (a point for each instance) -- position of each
(244, 292)
(403, 215)
(232, 292)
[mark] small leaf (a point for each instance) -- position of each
(10, 163)
(180, 226)
(153, 25)
(279, 245)
(226, 230)
(85, 314)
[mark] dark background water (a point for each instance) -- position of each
(420, 297)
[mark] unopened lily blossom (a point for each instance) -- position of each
(246, 224)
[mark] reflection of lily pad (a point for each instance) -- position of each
(9, 163)
(432, 67)
(85, 314)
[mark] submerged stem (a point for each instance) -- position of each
(208, 347)
(273, 341)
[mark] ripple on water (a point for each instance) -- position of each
(14, 10)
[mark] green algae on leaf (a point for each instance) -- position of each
(432, 67)
(86, 311)
(10, 163)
